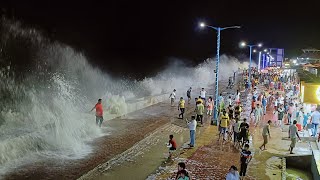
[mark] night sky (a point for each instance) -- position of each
(140, 37)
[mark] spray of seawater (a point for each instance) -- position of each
(47, 89)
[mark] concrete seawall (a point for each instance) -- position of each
(137, 104)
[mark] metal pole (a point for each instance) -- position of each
(249, 78)
(216, 89)
(259, 61)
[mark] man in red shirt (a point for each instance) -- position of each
(173, 146)
(99, 112)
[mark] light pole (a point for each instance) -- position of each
(243, 44)
(216, 88)
(259, 58)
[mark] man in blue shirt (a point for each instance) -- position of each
(315, 119)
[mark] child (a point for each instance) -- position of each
(172, 146)
(183, 175)
(182, 167)
(209, 106)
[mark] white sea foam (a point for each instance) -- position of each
(44, 110)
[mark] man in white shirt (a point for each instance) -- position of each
(173, 97)
(203, 94)
(192, 127)
(229, 101)
(315, 119)
(233, 174)
(258, 114)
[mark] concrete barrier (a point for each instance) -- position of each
(315, 164)
(138, 104)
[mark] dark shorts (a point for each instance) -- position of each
(172, 149)
(99, 120)
(243, 136)
(223, 129)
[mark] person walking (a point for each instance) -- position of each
(200, 111)
(300, 116)
(172, 97)
(224, 120)
(192, 127)
(293, 133)
(99, 112)
(265, 134)
(203, 94)
(209, 106)
(258, 114)
(315, 119)
(290, 112)
(245, 158)
(229, 101)
(189, 95)
(264, 104)
(280, 115)
(244, 129)
(236, 132)
(181, 107)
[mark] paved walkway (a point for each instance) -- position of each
(212, 159)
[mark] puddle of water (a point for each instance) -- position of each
(294, 174)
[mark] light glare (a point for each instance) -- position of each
(259, 45)
(202, 25)
(243, 44)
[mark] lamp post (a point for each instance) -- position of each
(243, 44)
(216, 88)
(259, 58)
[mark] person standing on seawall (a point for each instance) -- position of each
(203, 94)
(181, 107)
(189, 95)
(99, 112)
(172, 97)
(192, 127)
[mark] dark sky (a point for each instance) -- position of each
(138, 37)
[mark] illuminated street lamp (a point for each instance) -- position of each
(218, 29)
(259, 58)
(243, 44)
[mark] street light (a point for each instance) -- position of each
(243, 44)
(218, 29)
(259, 58)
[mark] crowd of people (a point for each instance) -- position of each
(278, 92)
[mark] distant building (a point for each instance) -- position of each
(274, 58)
(310, 55)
